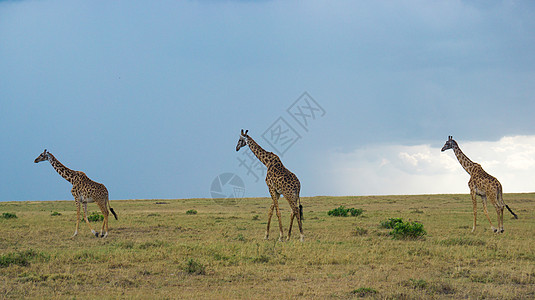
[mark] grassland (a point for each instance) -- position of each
(156, 250)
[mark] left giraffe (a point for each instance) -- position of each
(84, 191)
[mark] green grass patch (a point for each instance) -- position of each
(7, 215)
(462, 241)
(55, 213)
(21, 258)
(191, 212)
(364, 292)
(195, 268)
(360, 231)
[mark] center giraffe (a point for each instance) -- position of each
(280, 181)
(481, 184)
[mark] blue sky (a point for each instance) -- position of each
(148, 97)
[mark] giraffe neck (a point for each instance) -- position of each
(465, 162)
(259, 152)
(65, 172)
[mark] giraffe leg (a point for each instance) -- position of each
(105, 212)
(291, 223)
(77, 218)
(499, 212)
(295, 214)
(487, 213)
(300, 223)
(281, 234)
(474, 204)
(270, 214)
(77, 202)
(87, 221)
(275, 197)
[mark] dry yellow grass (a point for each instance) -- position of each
(159, 251)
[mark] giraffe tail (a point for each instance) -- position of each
(113, 212)
(516, 217)
(300, 210)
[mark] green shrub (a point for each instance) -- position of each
(95, 217)
(7, 215)
(55, 214)
(191, 212)
(355, 212)
(391, 223)
(195, 268)
(408, 230)
(344, 212)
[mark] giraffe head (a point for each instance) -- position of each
(450, 143)
(42, 157)
(242, 142)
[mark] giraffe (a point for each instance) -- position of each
(84, 191)
(481, 184)
(280, 181)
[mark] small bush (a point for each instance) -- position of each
(391, 223)
(191, 212)
(344, 212)
(195, 268)
(364, 292)
(408, 230)
(7, 215)
(95, 217)
(355, 212)
(55, 214)
(255, 217)
(241, 238)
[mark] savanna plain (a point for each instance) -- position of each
(215, 249)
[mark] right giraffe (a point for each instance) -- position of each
(481, 184)
(279, 181)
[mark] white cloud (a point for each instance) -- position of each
(422, 169)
